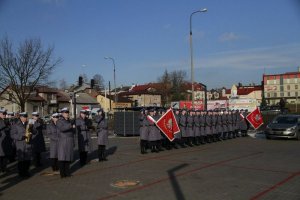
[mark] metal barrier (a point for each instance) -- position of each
(126, 123)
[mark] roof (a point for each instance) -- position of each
(45, 89)
(62, 96)
(34, 97)
(84, 98)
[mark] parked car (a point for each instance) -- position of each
(284, 126)
(274, 109)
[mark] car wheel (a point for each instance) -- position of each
(268, 137)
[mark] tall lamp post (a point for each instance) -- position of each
(113, 60)
(191, 48)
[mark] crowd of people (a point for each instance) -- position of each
(22, 139)
(196, 127)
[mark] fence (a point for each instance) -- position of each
(126, 123)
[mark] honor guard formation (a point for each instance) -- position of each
(196, 128)
(23, 139)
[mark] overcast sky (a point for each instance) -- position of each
(235, 41)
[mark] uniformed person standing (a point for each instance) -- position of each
(208, 124)
(219, 125)
(5, 141)
(102, 133)
(202, 122)
(66, 129)
(144, 135)
(190, 127)
(21, 133)
(197, 139)
(38, 142)
(243, 123)
(183, 126)
(225, 125)
(154, 134)
(52, 133)
(12, 121)
(84, 137)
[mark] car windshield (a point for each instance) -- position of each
(285, 120)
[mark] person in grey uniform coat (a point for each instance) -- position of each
(144, 123)
(190, 128)
(243, 123)
(66, 129)
(202, 122)
(154, 133)
(52, 133)
(23, 144)
(208, 124)
(225, 125)
(214, 119)
(5, 141)
(84, 137)
(38, 142)
(182, 125)
(219, 125)
(197, 140)
(102, 134)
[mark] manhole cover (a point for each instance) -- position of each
(125, 183)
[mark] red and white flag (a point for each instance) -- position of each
(255, 118)
(168, 124)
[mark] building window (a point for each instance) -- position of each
(296, 94)
(288, 94)
(288, 80)
(275, 94)
(288, 87)
(281, 88)
(296, 87)
(281, 94)
(268, 95)
(35, 108)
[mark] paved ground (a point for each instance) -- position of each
(243, 168)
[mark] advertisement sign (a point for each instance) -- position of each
(217, 104)
(249, 104)
(198, 105)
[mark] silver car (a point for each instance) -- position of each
(284, 126)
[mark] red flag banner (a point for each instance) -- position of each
(168, 124)
(255, 118)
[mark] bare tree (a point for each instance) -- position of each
(99, 81)
(63, 84)
(178, 79)
(165, 87)
(25, 67)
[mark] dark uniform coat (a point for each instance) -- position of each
(65, 140)
(214, 127)
(102, 130)
(219, 123)
(6, 141)
(53, 133)
(24, 150)
(38, 142)
(144, 123)
(230, 121)
(84, 135)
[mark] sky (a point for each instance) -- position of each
(234, 41)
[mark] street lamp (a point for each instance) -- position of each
(191, 48)
(113, 60)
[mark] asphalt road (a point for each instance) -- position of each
(243, 168)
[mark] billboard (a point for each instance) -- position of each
(217, 104)
(249, 104)
(198, 105)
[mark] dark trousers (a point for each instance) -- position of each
(3, 163)
(54, 164)
(64, 169)
(101, 153)
(83, 157)
(143, 146)
(37, 159)
(23, 168)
